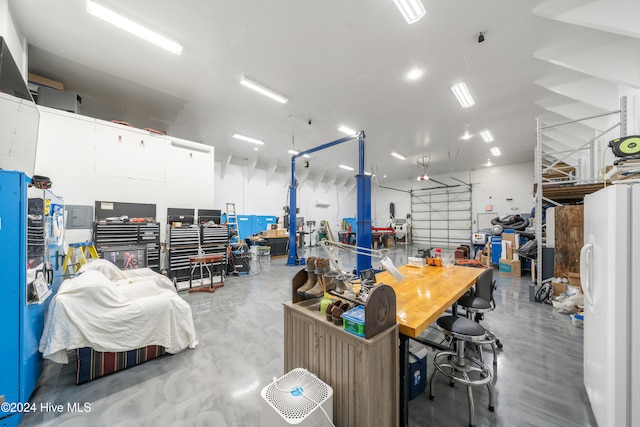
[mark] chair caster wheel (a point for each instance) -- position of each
(452, 384)
(491, 408)
(432, 398)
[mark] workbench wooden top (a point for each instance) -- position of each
(426, 292)
(206, 258)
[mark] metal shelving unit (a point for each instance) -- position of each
(118, 235)
(564, 174)
(442, 216)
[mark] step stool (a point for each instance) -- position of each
(79, 252)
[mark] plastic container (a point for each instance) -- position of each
(416, 262)
(353, 321)
(263, 250)
(417, 369)
(577, 319)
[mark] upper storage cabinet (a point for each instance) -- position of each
(19, 124)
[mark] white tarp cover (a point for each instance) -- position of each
(91, 310)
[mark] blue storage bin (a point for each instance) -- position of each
(417, 369)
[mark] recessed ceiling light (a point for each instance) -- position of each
(136, 29)
(349, 168)
(398, 155)
(244, 81)
(248, 139)
(347, 130)
(466, 135)
(412, 10)
(495, 151)
(486, 135)
(255, 149)
(384, 176)
(462, 93)
(488, 163)
(414, 74)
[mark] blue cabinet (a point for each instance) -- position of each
(248, 225)
(31, 222)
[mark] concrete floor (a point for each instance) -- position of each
(240, 329)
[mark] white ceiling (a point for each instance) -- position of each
(342, 63)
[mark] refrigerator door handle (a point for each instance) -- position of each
(586, 254)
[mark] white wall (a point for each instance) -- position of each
(491, 186)
(15, 41)
(256, 193)
(89, 159)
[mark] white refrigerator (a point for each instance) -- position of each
(610, 275)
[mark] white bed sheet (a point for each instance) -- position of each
(121, 277)
(91, 310)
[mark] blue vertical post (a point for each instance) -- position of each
(363, 214)
(293, 257)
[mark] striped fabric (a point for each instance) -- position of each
(91, 364)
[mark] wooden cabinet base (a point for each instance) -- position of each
(364, 373)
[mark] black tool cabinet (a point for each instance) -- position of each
(185, 241)
(127, 234)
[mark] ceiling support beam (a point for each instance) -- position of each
(224, 165)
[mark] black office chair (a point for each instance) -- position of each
(481, 301)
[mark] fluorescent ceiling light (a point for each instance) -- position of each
(412, 10)
(486, 135)
(462, 93)
(132, 27)
(398, 155)
(347, 130)
(192, 146)
(263, 90)
(248, 139)
(466, 135)
(495, 151)
(349, 168)
(369, 174)
(297, 152)
(414, 74)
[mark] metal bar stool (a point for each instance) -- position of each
(479, 302)
(476, 306)
(458, 367)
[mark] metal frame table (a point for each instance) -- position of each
(206, 261)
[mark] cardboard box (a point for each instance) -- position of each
(509, 267)
(574, 279)
(485, 260)
(276, 233)
(45, 81)
(559, 288)
(509, 237)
